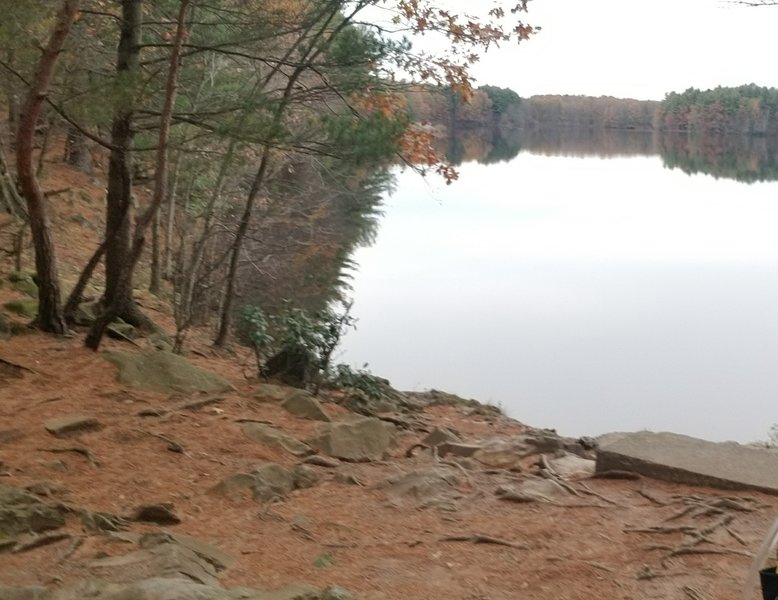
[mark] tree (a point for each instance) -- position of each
(50, 316)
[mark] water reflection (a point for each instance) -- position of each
(583, 294)
(746, 159)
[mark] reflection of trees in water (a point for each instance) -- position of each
(743, 158)
(306, 237)
(486, 145)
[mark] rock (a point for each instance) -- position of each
(120, 330)
(47, 488)
(571, 466)
(27, 308)
(360, 440)
(267, 482)
(321, 461)
(305, 406)
(269, 392)
(217, 557)
(85, 314)
(348, 479)
(162, 560)
(71, 425)
(165, 372)
(304, 477)
(24, 593)
(684, 459)
(161, 514)
(21, 512)
(161, 588)
(337, 593)
(275, 438)
(439, 435)
(295, 591)
(455, 449)
(24, 282)
(426, 487)
(532, 490)
(160, 341)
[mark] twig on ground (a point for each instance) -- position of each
(483, 539)
(172, 445)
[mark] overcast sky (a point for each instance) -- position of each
(637, 49)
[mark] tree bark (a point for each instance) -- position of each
(123, 290)
(50, 315)
(237, 246)
(119, 197)
(77, 151)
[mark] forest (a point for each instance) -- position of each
(243, 146)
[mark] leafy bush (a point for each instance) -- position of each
(361, 381)
(297, 334)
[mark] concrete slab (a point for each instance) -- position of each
(684, 459)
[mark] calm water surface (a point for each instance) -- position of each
(580, 293)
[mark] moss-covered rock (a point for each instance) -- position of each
(26, 307)
(24, 282)
(159, 371)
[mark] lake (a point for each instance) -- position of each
(586, 292)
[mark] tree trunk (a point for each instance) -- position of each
(50, 315)
(155, 283)
(171, 220)
(77, 151)
(123, 289)
(119, 197)
(237, 246)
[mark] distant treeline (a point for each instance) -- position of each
(748, 109)
(745, 110)
(493, 106)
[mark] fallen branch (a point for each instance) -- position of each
(39, 541)
(653, 499)
(172, 445)
(587, 490)
(483, 539)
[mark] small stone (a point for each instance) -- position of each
(161, 514)
(304, 477)
(71, 424)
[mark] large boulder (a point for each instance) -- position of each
(358, 440)
(160, 371)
